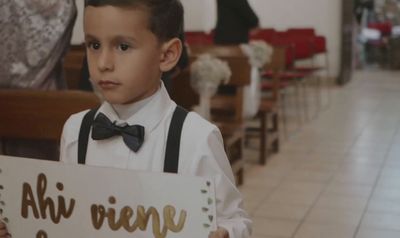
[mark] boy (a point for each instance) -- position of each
(130, 43)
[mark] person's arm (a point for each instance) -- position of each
(232, 219)
(244, 10)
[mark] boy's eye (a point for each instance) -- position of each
(94, 45)
(124, 47)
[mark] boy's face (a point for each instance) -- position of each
(123, 54)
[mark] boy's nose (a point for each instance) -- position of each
(106, 61)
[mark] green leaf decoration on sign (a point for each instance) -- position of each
(203, 191)
(206, 225)
(208, 183)
(209, 201)
(204, 209)
(211, 218)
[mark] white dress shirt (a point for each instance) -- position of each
(201, 152)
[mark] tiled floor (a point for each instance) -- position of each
(338, 176)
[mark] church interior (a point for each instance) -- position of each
(306, 103)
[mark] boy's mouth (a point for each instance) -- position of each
(107, 85)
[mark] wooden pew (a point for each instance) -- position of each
(39, 115)
(231, 103)
(227, 110)
(269, 110)
(268, 114)
(73, 66)
(31, 114)
(182, 92)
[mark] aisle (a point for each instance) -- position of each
(339, 175)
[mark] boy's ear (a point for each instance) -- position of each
(171, 52)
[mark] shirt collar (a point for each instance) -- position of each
(147, 112)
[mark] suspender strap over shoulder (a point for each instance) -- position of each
(84, 135)
(174, 140)
(171, 161)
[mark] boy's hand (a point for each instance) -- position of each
(3, 231)
(220, 233)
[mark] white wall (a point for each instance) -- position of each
(200, 15)
(78, 37)
(323, 15)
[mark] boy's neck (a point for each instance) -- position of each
(125, 111)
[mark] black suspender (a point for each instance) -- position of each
(171, 161)
(84, 132)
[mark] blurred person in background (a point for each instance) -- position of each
(34, 36)
(235, 19)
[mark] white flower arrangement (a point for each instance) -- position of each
(259, 53)
(207, 73)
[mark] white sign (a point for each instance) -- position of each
(53, 200)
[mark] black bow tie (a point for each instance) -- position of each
(103, 128)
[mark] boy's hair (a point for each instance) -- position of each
(166, 16)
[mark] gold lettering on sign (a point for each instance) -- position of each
(41, 234)
(45, 204)
(100, 213)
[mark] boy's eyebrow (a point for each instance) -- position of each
(90, 37)
(122, 37)
(116, 38)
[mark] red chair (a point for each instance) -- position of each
(304, 45)
(382, 44)
(198, 38)
(302, 31)
(318, 42)
(302, 48)
(287, 78)
(318, 47)
(298, 47)
(263, 34)
(385, 28)
(378, 50)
